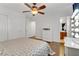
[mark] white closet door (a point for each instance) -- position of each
(3, 27)
(16, 27)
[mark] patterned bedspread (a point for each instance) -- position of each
(24, 47)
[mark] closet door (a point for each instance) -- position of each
(16, 27)
(3, 27)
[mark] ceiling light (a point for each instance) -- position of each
(34, 11)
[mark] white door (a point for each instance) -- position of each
(16, 27)
(3, 27)
(30, 28)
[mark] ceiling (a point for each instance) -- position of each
(52, 9)
(59, 9)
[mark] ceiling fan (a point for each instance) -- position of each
(34, 9)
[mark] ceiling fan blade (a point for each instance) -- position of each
(42, 7)
(25, 11)
(28, 5)
(41, 12)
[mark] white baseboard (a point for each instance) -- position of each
(49, 41)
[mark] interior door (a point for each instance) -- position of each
(30, 28)
(3, 27)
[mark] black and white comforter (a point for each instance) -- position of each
(24, 47)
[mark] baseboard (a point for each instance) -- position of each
(39, 38)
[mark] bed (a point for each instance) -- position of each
(24, 47)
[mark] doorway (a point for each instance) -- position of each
(31, 28)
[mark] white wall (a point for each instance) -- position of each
(15, 23)
(50, 22)
(47, 22)
(51, 19)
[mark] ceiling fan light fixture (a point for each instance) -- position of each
(34, 11)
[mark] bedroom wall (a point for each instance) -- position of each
(52, 22)
(51, 19)
(18, 24)
(13, 24)
(47, 22)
